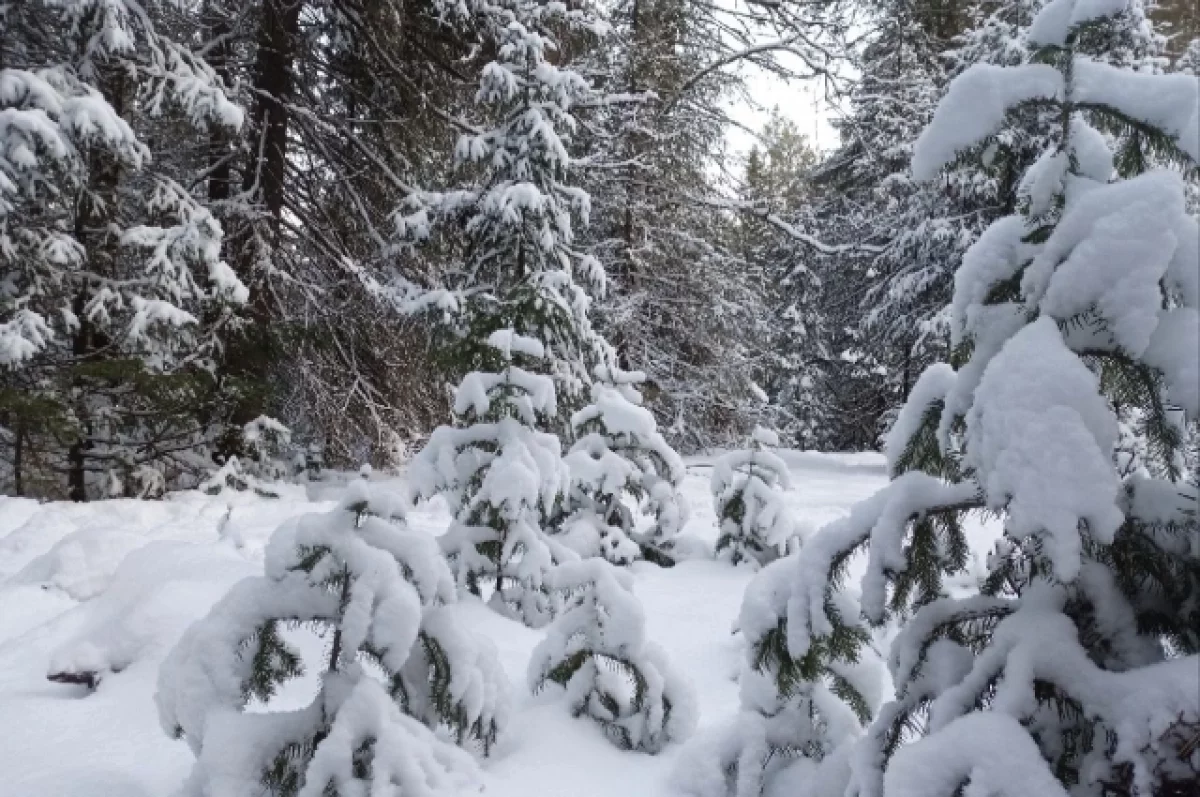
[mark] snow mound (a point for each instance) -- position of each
(82, 563)
(155, 592)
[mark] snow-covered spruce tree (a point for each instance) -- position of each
(115, 300)
(620, 469)
(511, 314)
(380, 595)
(266, 444)
(1071, 670)
(513, 224)
(503, 480)
(883, 273)
(598, 651)
(747, 488)
(798, 717)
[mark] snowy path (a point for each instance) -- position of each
(131, 575)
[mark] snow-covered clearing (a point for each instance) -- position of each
(115, 583)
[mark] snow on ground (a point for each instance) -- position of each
(114, 584)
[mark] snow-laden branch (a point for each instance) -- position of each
(759, 212)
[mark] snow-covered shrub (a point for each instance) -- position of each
(1071, 668)
(621, 467)
(598, 651)
(747, 488)
(267, 445)
(380, 595)
(132, 611)
(503, 480)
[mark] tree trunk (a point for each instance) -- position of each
(18, 455)
(96, 209)
(249, 358)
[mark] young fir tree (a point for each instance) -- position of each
(266, 444)
(504, 481)
(747, 488)
(1071, 669)
(798, 717)
(598, 651)
(621, 469)
(115, 299)
(512, 313)
(380, 595)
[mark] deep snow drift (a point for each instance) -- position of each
(111, 586)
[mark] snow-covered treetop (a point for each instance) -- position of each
(979, 99)
(616, 414)
(1058, 19)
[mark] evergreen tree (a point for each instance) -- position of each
(349, 105)
(621, 469)
(684, 306)
(504, 481)
(747, 488)
(799, 716)
(116, 300)
(663, 252)
(513, 303)
(794, 358)
(598, 651)
(884, 295)
(380, 593)
(520, 269)
(1039, 680)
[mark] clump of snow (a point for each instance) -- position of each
(1057, 18)
(991, 753)
(931, 389)
(1041, 442)
(83, 563)
(1173, 349)
(509, 342)
(998, 255)
(156, 590)
(1109, 253)
(973, 108)
(1166, 102)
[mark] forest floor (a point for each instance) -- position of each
(122, 579)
